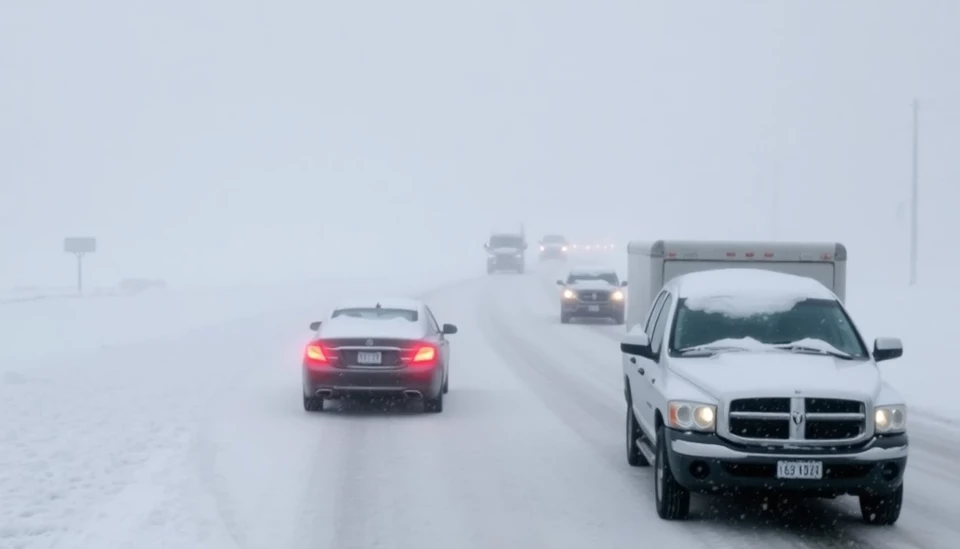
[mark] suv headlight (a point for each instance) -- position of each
(617, 295)
(692, 416)
(563, 249)
(890, 419)
(568, 294)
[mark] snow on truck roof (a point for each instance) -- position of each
(746, 292)
(686, 249)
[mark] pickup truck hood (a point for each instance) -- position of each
(505, 251)
(779, 373)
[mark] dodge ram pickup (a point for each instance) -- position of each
(751, 381)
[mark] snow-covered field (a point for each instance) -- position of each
(174, 421)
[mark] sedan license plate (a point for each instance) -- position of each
(364, 357)
(802, 470)
(594, 308)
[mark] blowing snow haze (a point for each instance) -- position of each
(221, 142)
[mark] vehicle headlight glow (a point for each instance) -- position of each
(563, 249)
(568, 294)
(617, 296)
(542, 248)
(890, 419)
(692, 416)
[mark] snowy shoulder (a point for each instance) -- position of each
(745, 292)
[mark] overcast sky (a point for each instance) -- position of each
(234, 140)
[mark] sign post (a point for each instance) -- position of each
(80, 246)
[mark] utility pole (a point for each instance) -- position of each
(914, 236)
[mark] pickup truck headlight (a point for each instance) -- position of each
(563, 249)
(617, 296)
(568, 294)
(890, 419)
(692, 416)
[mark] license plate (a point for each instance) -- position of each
(594, 308)
(803, 470)
(364, 357)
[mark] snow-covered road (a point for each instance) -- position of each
(200, 440)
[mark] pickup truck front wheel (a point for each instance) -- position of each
(882, 510)
(673, 500)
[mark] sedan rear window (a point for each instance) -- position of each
(374, 313)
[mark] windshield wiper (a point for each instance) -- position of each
(707, 350)
(809, 349)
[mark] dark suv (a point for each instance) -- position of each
(506, 252)
(592, 293)
(553, 246)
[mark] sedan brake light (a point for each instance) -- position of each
(315, 355)
(427, 353)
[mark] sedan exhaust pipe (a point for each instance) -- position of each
(413, 394)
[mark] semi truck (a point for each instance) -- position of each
(651, 264)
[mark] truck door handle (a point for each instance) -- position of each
(633, 360)
(640, 371)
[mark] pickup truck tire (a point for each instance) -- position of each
(882, 510)
(564, 319)
(673, 500)
(634, 434)
(619, 319)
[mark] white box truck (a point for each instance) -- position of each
(650, 265)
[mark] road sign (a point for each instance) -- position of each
(80, 246)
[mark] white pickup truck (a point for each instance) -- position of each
(743, 380)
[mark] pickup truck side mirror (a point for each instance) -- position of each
(315, 325)
(560, 283)
(623, 284)
(449, 329)
(886, 348)
(486, 245)
(636, 343)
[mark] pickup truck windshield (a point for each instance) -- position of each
(819, 319)
(506, 241)
(554, 239)
(580, 277)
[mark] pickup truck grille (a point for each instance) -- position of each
(797, 419)
(593, 296)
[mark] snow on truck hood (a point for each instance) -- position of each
(780, 373)
(394, 328)
(504, 250)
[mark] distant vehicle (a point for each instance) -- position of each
(391, 347)
(506, 252)
(553, 246)
(593, 247)
(650, 265)
(743, 380)
(592, 293)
